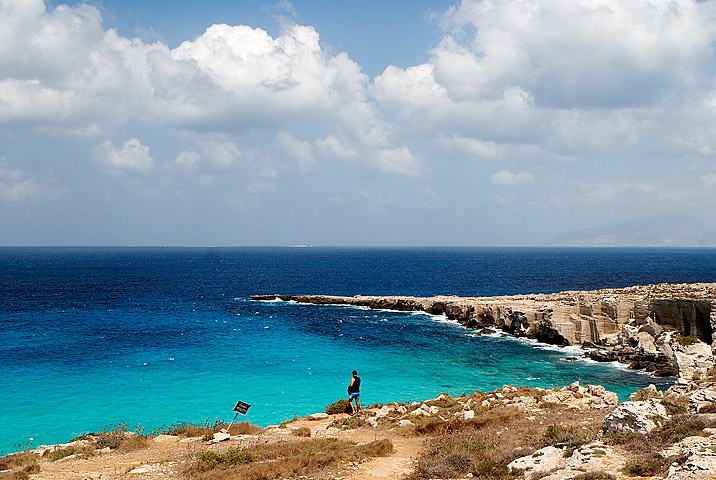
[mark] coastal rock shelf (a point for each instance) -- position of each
(639, 325)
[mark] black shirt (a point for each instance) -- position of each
(355, 388)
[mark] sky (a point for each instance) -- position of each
(493, 122)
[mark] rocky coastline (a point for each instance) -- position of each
(644, 326)
(564, 433)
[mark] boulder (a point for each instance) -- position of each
(645, 343)
(638, 417)
(651, 327)
(693, 360)
(539, 463)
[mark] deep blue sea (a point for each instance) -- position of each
(93, 336)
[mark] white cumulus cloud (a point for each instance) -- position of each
(508, 179)
(300, 151)
(132, 157)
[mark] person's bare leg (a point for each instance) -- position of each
(357, 405)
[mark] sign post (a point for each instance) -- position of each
(241, 408)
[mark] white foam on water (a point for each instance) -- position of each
(278, 300)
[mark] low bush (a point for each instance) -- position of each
(687, 340)
(339, 406)
(559, 435)
(233, 456)
(598, 475)
(61, 453)
(111, 439)
(679, 427)
(302, 432)
(645, 394)
(644, 466)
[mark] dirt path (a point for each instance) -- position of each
(395, 466)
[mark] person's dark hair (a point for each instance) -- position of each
(355, 373)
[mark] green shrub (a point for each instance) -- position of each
(233, 456)
(644, 394)
(598, 475)
(686, 341)
(62, 453)
(111, 439)
(643, 468)
(340, 406)
(559, 435)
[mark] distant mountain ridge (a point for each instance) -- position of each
(666, 230)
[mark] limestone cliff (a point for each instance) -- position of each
(631, 322)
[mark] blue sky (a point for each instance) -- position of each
(351, 123)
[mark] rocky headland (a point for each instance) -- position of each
(645, 326)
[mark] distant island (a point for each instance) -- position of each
(666, 230)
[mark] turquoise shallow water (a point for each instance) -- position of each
(92, 337)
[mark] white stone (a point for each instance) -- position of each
(402, 410)
(468, 414)
(635, 417)
(693, 360)
(372, 422)
(540, 462)
(433, 410)
(319, 416)
(220, 437)
(405, 423)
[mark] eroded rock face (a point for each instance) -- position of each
(702, 400)
(634, 321)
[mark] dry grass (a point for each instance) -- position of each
(485, 445)
(317, 457)
(19, 466)
(208, 428)
(644, 450)
(302, 432)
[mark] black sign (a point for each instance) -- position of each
(241, 407)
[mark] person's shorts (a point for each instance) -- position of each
(353, 395)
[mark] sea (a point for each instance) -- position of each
(147, 337)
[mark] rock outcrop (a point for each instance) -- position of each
(641, 325)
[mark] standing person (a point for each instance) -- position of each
(354, 393)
